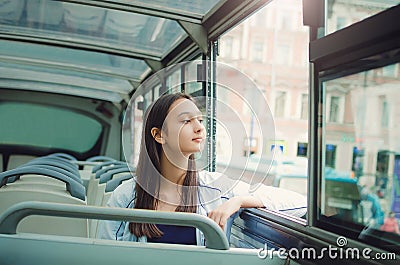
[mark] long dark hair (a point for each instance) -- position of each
(148, 170)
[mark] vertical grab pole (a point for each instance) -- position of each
(314, 17)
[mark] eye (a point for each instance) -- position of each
(200, 120)
(186, 121)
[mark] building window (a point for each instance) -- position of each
(390, 70)
(330, 155)
(283, 54)
(260, 18)
(304, 107)
(285, 20)
(257, 51)
(384, 112)
(250, 146)
(357, 165)
(382, 170)
(334, 109)
(280, 101)
(226, 47)
(302, 149)
(278, 149)
(340, 22)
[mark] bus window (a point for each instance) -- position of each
(48, 127)
(368, 197)
(341, 14)
(354, 135)
(269, 56)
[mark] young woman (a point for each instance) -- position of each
(167, 179)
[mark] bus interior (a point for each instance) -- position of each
(297, 95)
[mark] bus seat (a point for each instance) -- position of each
(37, 180)
(100, 159)
(95, 178)
(18, 160)
(63, 155)
(32, 186)
(101, 187)
(99, 194)
(57, 168)
(114, 172)
(110, 186)
(69, 250)
(94, 161)
(40, 224)
(113, 183)
(97, 198)
(75, 188)
(96, 190)
(85, 175)
(65, 161)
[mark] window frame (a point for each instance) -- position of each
(337, 55)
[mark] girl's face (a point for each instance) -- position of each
(183, 131)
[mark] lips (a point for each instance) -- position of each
(198, 140)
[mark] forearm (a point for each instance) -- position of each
(248, 201)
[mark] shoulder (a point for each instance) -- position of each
(207, 177)
(123, 195)
(216, 180)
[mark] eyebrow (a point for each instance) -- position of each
(190, 113)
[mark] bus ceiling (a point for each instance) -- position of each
(63, 46)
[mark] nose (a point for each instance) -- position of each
(198, 126)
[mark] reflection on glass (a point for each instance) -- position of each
(174, 82)
(192, 86)
(362, 150)
(192, 6)
(342, 14)
(89, 25)
(30, 53)
(274, 36)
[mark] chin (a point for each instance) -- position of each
(188, 153)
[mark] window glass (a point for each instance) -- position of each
(340, 22)
(192, 6)
(26, 124)
(361, 165)
(133, 122)
(384, 112)
(340, 14)
(226, 47)
(334, 109)
(302, 149)
(283, 54)
(390, 71)
(304, 106)
(114, 29)
(285, 20)
(192, 86)
(174, 81)
(280, 101)
(257, 51)
(330, 155)
(276, 36)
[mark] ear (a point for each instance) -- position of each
(156, 133)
